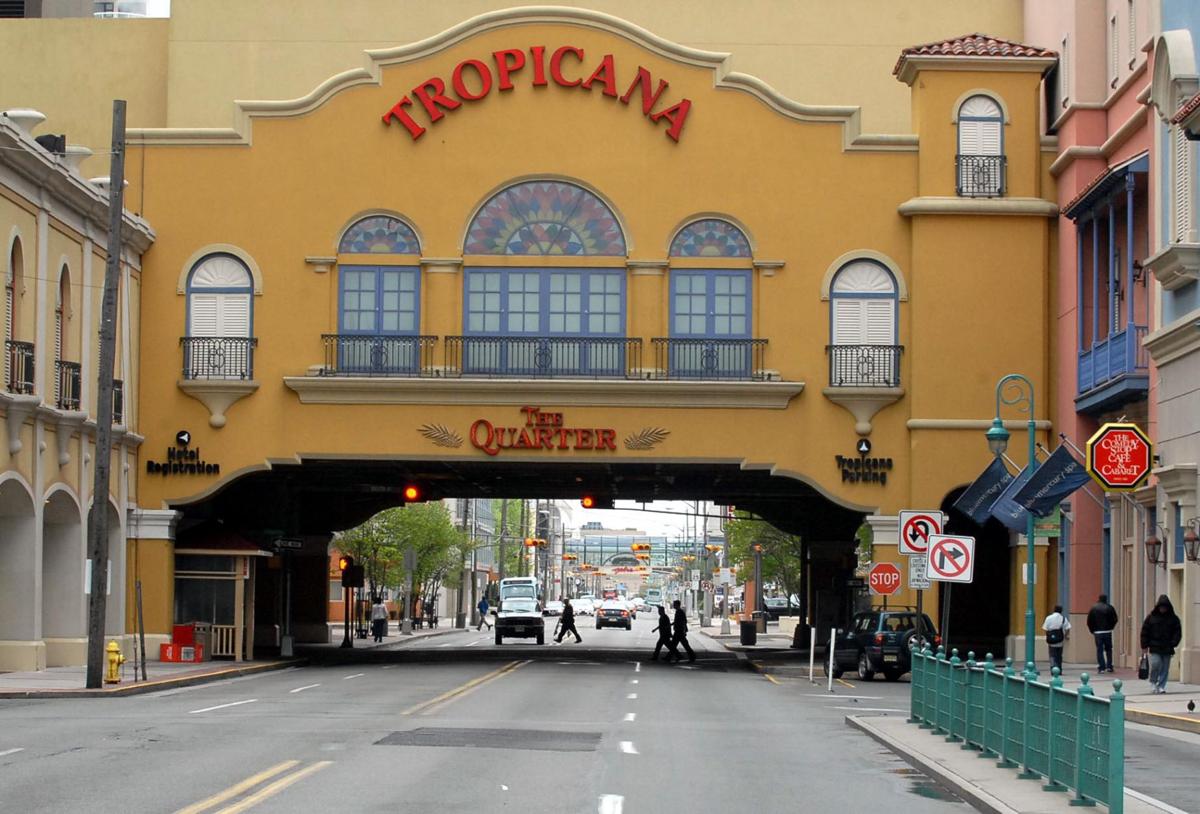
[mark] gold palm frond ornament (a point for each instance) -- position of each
(646, 438)
(441, 435)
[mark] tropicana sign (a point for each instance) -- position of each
(473, 79)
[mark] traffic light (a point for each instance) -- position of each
(412, 493)
(639, 547)
(593, 502)
(353, 576)
(345, 562)
(712, 548)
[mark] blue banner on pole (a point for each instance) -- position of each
(1006, 509)
(1054, 481)
(980, 495)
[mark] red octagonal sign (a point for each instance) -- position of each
(1119, 456)
(884, 579)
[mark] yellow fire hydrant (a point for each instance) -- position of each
(115, 660)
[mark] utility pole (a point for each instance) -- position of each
(98, 517)
(503, 535)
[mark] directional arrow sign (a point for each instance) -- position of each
(916, 527)
(951, 558)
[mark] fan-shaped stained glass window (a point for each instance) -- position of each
(379, 234)
(545, 218)
(711, 237)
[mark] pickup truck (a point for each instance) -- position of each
(879, 641)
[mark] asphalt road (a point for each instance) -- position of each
(499, 732)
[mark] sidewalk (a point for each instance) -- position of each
(980, 782)
(770, 642)
(1141, 705)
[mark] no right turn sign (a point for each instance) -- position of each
(951, 558)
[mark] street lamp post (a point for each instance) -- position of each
(1016, 391)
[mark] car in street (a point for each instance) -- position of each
(584, 606)
(880, 641)
(613, 613)
(520, 618)
(553, 608)
(777, 606)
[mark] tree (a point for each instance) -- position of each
(782, 554)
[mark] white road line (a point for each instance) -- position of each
(8, 752)
(829, 697)
(472, 644)
(447, 644)
(628, 748)
(305, 687)
(870, 709)
(633, 681)
(611, 803)
(632, 696)
(630, 717)
(223, 706)
(637, 666)
(1159, 804)
(356, 675)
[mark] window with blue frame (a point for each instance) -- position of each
(863, 309)
(544, 320)
(710, 323)
(378, 318)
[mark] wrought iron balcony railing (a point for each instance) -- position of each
(709, 359)
(366, 355)
(864, 365)
(981, 176)
(218, 357)
(543, 356)
(66, 390)
(18, 367)
(118, 415)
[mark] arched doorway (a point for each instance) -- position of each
(63, 601)
(18, 566)
(980, 611)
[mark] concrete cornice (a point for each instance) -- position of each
(1175, 340)
(565, 392)
(947, 205)
(1136, 121)
(970, 424)
(915, 63)
(370, 74)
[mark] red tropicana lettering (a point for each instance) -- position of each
(435, 102)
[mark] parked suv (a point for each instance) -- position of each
(879, 641)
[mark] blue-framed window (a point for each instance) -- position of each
(864, 309)
(1179, 558)
(544, 321)
(708, 304)
(220, 319)
(981, 170)
(546, 302)
(378, 318)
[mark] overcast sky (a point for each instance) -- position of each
(628, 515)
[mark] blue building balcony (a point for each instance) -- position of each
(1114, 371)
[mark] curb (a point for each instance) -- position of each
(154, 685)
(969, 792)
(1163, 719)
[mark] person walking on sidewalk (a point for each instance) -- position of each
(1161, 633)
(1101, 621)
(567, 623)
(681, 634)
(379, 618)
(664, 635)
(1057, 626)
(482, 607)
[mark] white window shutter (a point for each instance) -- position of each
(1182, 222)
(880, 322)
(849, 321)
(234, 310)
(970, 137)
(989, 138)
(204, 315)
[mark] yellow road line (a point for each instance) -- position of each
(771, 678)
(273, 789)
(239, 788)
(844, 683)
(512, 665)
(467, 691)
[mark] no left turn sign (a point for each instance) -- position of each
(951, 558)
(916, 527)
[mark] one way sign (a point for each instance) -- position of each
(951, 558)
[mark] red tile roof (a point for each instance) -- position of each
(1189, 107)
(974, 45)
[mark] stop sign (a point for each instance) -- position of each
(884, 579)
(1119, 456)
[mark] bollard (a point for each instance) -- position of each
(1004, 762)
(1028, 677)
(812, 652)
(1080, 699)
(1056, 683)
(1116, 750)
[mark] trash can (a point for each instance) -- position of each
(760, 619)
(749, 631)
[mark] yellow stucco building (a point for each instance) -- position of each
(550, 251)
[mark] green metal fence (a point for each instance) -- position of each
(1070, 739)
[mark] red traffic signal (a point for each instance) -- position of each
(412, 493)
(593, 502)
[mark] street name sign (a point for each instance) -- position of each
(725, 576)
(918, 573)
(951, 558)
(916, 527)
(1119, 457)
(884, 579)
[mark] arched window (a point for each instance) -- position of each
(61, 308)
(379, 234)
(18, 356)
(981, 170)
(12, 271)
(710, 237)
(545, 318)
(67, 378)
(220, 319)
(864, 350)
